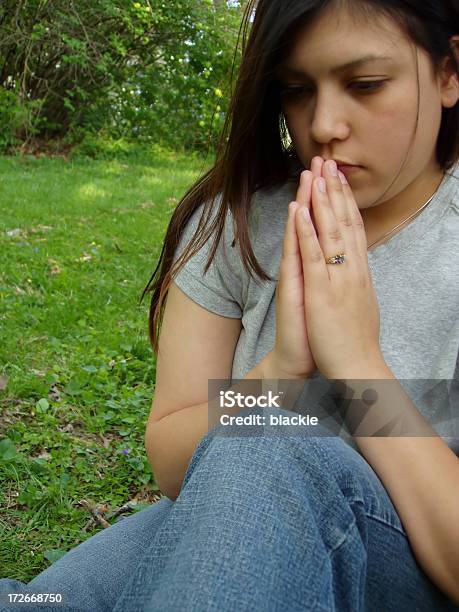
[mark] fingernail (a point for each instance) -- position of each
(342, 177)
(304, 212)
(333, 168)
(322, 185)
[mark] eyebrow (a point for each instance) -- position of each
(342, 67)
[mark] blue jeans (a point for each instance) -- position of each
(262, 523)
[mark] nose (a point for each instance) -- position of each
(329, 119)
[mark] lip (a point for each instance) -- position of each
(348, 169)
(342, 162)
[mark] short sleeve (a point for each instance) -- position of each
(219, 289)
(453, 441)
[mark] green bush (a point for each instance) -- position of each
(148, 70)
(14, 118)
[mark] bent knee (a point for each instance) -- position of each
(251, 441)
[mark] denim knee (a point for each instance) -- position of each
(231, 440)
(314, 448)
(326, 463)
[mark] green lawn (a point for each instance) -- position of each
(78, 241)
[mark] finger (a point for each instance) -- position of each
(315, 271)
(303, 195)
(340, 206)
(361, 243)
(316, 166)
(290, 246)
(329, 234)
(290, 269)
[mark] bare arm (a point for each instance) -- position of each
(172, 440)
(419, 471)
(195, 345)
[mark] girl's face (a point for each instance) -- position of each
(341, 104)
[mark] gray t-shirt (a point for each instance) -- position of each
(416, 278)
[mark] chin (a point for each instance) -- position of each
(364, 202)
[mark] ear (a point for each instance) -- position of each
(449, 79)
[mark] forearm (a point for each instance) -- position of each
(171, 441)
(170, 444)
(421, 476)
(420, 473)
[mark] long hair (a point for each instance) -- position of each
(253, 153)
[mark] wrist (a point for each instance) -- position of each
(272, 370)
(375, 370)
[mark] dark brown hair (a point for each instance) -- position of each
(252, 153)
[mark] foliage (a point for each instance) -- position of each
(12, 117)
(149, 69)
(79, 239)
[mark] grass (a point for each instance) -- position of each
(78, 241)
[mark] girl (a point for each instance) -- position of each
(348, 111)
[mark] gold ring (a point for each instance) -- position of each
(336, 259)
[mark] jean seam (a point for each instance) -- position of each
(343, 541)
(376, 518)
(351, 499)
(386, 523)
(318, 607)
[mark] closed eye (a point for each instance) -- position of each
(367, 85)
(361, 86)
(293, 92)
